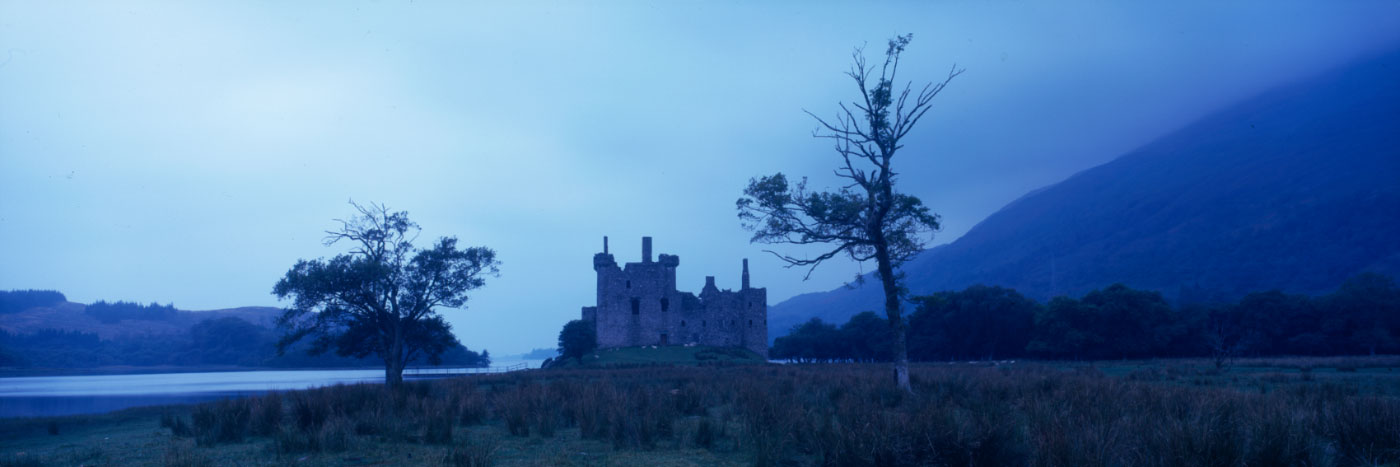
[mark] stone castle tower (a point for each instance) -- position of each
(638, 304)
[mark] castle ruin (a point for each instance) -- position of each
(638, 304)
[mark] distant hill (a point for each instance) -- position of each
(41, 330)
(1295, 189)
(69, 316)
(539, 354)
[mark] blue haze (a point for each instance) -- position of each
(192, 152)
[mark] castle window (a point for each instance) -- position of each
(750, 323)
(665, 304)
(664, 340)
(702, 323)
(682, 323)
(636, 306)
(731, 322)
(629, 284)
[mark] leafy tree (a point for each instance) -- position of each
(7, 357)
(1368, 309)
(229, 341)
(867, 219)
(1063, 329)
(381, 298)
(57, 348)
(1133, 323)
(1114, 322)
(1275, 323)
(577, 339)
(979, 322)
(812, 341)
(866, 338)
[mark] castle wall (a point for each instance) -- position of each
(638, 304)
(646, 284)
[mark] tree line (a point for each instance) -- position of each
(15, 301)
(227, 341)
(993, 323)
(117, 311)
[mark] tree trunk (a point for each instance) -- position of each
(393, 366)
(892, 312)
(393, 373)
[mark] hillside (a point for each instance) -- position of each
(1295, 189)
(69, 316)
(40, 330)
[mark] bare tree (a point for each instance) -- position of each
(866, 219)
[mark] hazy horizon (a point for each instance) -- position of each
(191, 153)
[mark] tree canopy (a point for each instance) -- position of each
(994, 323)
(979, 323)
(382, 297)
(14, 301)
(577, 339)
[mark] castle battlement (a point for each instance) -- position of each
(638, 304)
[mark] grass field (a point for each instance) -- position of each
(1338, 411)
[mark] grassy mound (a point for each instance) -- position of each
(661, 356)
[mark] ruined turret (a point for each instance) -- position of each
(603, 260)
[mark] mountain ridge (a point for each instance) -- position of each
(1291, 189)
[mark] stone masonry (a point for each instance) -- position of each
(638, 304)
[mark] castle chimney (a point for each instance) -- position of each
(605, 245)
(744, 280)
(646, 249)
(710, 282)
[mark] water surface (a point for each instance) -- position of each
(34, 396)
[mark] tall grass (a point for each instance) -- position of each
(849, 415)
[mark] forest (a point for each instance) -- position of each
(15, 301)
(1361, 317)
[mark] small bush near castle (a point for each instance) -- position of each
(577, 339)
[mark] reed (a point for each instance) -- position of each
(849, 415)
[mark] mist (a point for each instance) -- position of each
(192, 153)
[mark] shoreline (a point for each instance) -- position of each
(156, 370)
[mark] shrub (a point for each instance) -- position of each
(267, 414)
(335, 434)
(176, 424)
(471, 408)
(180, 454)
(220, 422)
(290, 440)
(705, 434)
(20, 459)
(310, 409)
(438, 429)
(472, 453)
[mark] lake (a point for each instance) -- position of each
(38, 396)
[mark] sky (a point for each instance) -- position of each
(192, 152)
